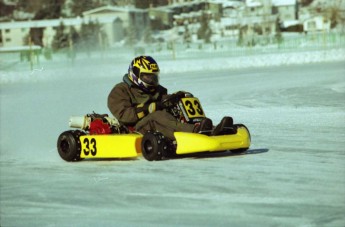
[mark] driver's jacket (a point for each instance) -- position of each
(126, 102)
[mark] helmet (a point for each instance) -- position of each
(144, 72)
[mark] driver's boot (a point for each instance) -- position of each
(226, 126)
(204, 127)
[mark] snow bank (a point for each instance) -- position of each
(47, 70)
(254, 61)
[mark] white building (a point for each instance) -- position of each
(117, 20)
(286, 9)
(114, 21)
(317, 24)
(14, 33)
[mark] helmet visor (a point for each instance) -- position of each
(150, 78)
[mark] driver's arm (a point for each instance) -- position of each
(119, 104)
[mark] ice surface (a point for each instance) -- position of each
(293, 175)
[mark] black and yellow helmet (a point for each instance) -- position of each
(144, 72)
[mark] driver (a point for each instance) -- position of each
(137, 102)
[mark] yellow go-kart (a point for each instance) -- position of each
(100, 136)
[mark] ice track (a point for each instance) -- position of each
(293, 175)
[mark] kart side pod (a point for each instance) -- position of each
(75, 145)
(155, 147)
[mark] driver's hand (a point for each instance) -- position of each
(176, 96)
(144, 109)
(179, 94)
(154, 106)
(183, 94)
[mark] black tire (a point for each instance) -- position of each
(68, 145)
(153, 146)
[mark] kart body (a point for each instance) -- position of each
(101, 137)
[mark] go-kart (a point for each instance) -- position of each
(100, 136)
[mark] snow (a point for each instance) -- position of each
(253, 3)
(289, 23)
(284, 2)
(199, 61)
(326, 4)
(293, 175)
(19, 48)
(114, 9)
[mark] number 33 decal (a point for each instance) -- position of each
(90, 146)
(193, 107)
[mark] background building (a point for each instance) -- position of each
(134, 21)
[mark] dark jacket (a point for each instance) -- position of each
(126, 101)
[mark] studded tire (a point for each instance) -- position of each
(154, 146)
(68, 145)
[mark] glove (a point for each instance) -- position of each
(182, 94)
(174, 97)
(154, 106)
(144, 109)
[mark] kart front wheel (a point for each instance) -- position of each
(153, 146)
(68, 145)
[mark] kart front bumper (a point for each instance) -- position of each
(188, 143)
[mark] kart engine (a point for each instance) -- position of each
(97, 124)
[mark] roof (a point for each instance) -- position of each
(53, 22)
(171, 7)
(70, 21)
(41, 23)
(113, 9)
(227, 3)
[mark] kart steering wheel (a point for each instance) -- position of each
(173, 99)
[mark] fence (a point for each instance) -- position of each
(217, 48)
(289, 43)
(230, 47)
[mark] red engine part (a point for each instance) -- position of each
(97, 126)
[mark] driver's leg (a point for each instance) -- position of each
(163, 122)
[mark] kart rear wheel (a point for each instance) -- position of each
(153, 146)
(68, 145)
